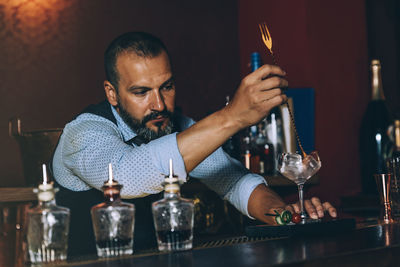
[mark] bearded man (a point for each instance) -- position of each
(138, 131)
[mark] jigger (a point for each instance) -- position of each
(383, 183)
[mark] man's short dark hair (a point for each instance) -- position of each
(141, 43)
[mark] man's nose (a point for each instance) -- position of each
(157, 102)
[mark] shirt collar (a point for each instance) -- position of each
(126, 131)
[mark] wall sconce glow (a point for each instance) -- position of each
(32, 21)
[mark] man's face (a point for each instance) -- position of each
(146, 94)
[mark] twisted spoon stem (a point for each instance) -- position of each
(291, 117)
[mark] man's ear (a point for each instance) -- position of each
(111, 93)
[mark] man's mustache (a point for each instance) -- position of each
(155, 114)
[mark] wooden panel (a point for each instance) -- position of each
(13, 231)
(17, 194)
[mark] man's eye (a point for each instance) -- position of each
(140, 93)
(168, 87)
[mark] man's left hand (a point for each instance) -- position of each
(265, 201)
(314, 208)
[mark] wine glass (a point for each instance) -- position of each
(299, 170)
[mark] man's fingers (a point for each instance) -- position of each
(318, 206)
(274, 101)
(308, 205)
(272, 83)
(290, 208)
(314, 208)
(331, 210)
(262, 96)
(266, 70)
(296, 207)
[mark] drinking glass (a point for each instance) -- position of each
(383, 184)
(298, 169)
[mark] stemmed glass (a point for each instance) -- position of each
(298, 169)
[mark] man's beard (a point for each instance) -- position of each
(139, 126)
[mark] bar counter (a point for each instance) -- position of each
(376, 245)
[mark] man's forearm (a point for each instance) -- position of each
(203, 138)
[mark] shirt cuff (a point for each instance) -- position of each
(165, 148)
(240, 193)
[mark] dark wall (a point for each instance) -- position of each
(51, 58)
(320, 44)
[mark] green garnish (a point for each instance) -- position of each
(286, 216)
(279, 221)
(283, 218)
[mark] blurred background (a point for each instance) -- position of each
(51, 63)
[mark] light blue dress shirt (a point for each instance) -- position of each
(90, 142)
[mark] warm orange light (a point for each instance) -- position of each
(32, 13)
(33, 21)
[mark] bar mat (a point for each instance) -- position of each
(232, 241)
(315, 228)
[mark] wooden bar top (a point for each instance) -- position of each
(17, 194)
(377, 245)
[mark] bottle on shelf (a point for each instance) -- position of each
(274, 134)
(246, 154)
(396, 146)
(173, 217)
(265, 151)
(254, 152)
(393, 165)
(48, 226)
(374, 141)
(113, 221)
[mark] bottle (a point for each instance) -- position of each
(173, 217)
(373, 137)
(48, 226)
(255, 61)
(274, 134)
(396, 147)
(252, 151)
(246, 154)
(265, 151)
(113, 221)
(267, 160)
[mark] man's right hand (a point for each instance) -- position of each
(257, 94)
